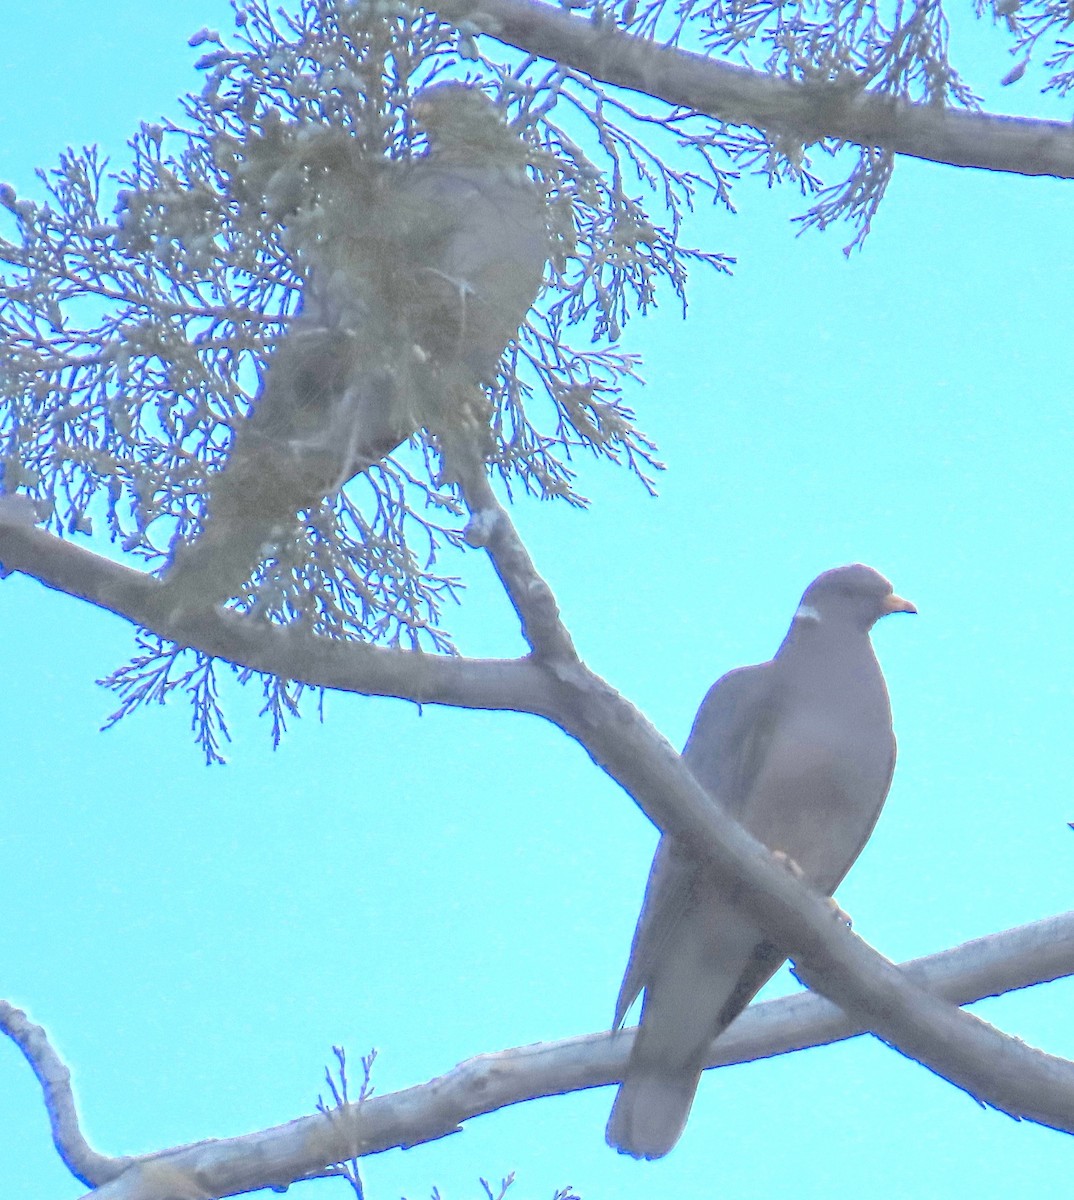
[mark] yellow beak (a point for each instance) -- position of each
(894, 604)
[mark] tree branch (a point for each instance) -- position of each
(84, 1163)
(996, 1069)
(989, 966)
(514, 685)
(741, 96)
(1024, 956)
(491, 527)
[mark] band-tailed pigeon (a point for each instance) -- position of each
(418, 273)
(801, 751)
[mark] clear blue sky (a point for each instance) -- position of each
(447, 883)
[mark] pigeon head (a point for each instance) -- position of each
(464, 125)
(854, 595)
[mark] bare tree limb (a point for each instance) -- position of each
(989, 966)
(84, 1163)
(491, 528)
(741, 96)
(995, 1069)
(1021, 957)
(514, 685)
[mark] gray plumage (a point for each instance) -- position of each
(419, 272)
(800, 750)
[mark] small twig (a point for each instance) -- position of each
(491, 527)
(347, 1170)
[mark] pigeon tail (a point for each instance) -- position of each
(214, 568)
(299, 446)
(650, 1112)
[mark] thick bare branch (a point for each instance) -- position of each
(514, 685)
(738, 95)
(988, 966)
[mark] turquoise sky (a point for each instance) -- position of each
(447, 883)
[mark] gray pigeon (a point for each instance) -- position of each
(419, 272)
(800, 750)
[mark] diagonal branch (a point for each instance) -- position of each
(1021, 957)
(741, 96)
(988, 966)
(514, 685)
(491, 527)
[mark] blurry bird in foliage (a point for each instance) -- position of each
(418, 273)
